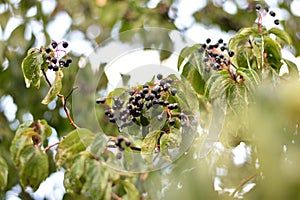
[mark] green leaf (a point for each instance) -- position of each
(282, 34)
(258, 50)
(96, 179)
(31, 67)
(241, 37)
(99, 144)
(293, 69)
(4, 18)
(186, 54)
(44, 129)
(149, 142)
(193, 76)
(55, 88)
(131, 190)
(19, 142)
(273, 51)
(73, 143)
(3, 173)
(34, 167)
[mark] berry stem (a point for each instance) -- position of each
(63, 101)
(52, 145)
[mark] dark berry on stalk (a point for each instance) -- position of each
(66, 64)
(112, 120)
(160, 117)
(159, 76)
(65, 44)
(145, 90)
(169, 80)
(161, 102)
(69, 60)
(108, 113)
(54, 44)
(222, 48)
(119, 155)
(50, 66)
(201, 49)
(127, 143)
(231, 53)
(145, 85)
(170, 106)
(258, 7)
(208, 40)
(203, 46)
(48, 50)
(149, 104)
(120, 139)
(220, 41)
(166, 103)
(276, 21)
(53, 60)
(151, 96)
(173, 91)
(272, 13)
(205, 59)
(171, 122)
(166, 86)
(175, 105)
(181, 116)
(61, 63)
(157, 95)
(55, 68)
(131, 92)
(48, 57)
(100, 100)
(138, 96)
(266, 9)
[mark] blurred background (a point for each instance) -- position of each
(87, 23)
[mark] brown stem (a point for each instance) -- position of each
(63, 101)
(243, 183)
(113, 195)
(52, 145)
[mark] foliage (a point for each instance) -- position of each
(239, 90)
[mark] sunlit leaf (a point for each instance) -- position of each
(282, 34)
(241, 37)
(34, 167)
(131, 190)
(55, 88)
(44, 129)
(150, 141)
(293, 69)
(31, 67)
(273, 52)
(73, 143)
(186, 54)
(96, 178)
(258, 50)
(3, 173)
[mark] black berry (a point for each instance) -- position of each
(173, 91)
(100, 100)
(53, 60)
(54, 44)
(61, 63)
(220, 41)
(127, 143)
(65, 44)
(208, 40)
(69, 60)
(48, 50)
(258, 7)
(48, 57)
(272, 13)
(266, 9)
(171, 122)
(276, 21)
(159, 76)
(231, 53)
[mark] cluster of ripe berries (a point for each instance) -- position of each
(125, 114)
(54, 58)
(263, 12)
(214, 56)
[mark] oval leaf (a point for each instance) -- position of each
(3, 173)
(55, 88)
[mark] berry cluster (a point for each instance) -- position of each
(145, 97)
(54, 57)
(215, 56)
(263, 12)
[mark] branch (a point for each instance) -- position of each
(243, 183)
(63, 101)
(113, 195)
(52, 145)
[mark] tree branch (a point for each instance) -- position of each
(243, 183)
(63, 101)
(52, 145)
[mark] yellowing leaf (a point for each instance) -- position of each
(31, 67)
(34, 167)
(55, 88)
(73, 143)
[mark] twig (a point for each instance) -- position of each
(52, 145)
(243, 183)
(115, 196)
(63, 101)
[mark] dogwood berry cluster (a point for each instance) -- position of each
(56, 56)
(214, 55)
